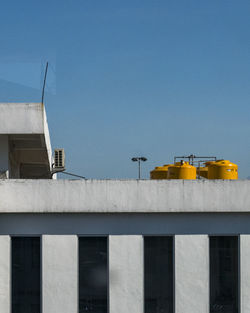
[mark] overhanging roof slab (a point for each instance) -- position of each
(27, 128)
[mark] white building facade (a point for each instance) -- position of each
(117, 246)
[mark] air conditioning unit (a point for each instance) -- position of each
(59, 159)
(4, 174)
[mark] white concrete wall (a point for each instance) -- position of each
(21, 118)
(124, 196)
(192, 274)
(4, 154)
(245, 273)
(60, 274)
(126, 274)
(5, 274)
(47, 140)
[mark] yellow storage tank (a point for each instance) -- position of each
(181, 170)
(203, 171)
(160, 172)
(222, 169)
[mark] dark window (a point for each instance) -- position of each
(25, 274)
(93, 274)
(158, 274)
(224, 274)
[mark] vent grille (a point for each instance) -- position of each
(59, 158)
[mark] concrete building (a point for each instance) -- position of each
(118, 246)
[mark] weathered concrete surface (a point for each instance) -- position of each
(192, 274)
(4, 274)
(60, 274)
(21, 118)
(112, 196)
(126, 274)
(245, 273)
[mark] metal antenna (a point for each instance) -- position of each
(44, 81)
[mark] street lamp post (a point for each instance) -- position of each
(139, 159)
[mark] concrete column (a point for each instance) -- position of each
(5, 274)
(245, 273)
(126, 274)
(192, 274)
(4, 156)
(60, 273)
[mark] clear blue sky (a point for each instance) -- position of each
(127, 78)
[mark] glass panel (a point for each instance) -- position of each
(25, 275)
(224, 274)
(93, 274)
(158, 274)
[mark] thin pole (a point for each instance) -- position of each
(67, 173)
(139, 167)
(44, 81)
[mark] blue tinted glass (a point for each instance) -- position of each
(158, 274)
(93, 275)
(25, 275)
(224, 274)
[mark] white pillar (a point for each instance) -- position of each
(126, 274)
(5, 274)
(4, 156)
(192, 274)
(60, 273)
(245, 273)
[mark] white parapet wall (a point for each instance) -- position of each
(121, 196)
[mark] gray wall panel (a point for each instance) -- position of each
(245, 273)
(126, 274)
(60, 274)
(192, 274)
(5, 274)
